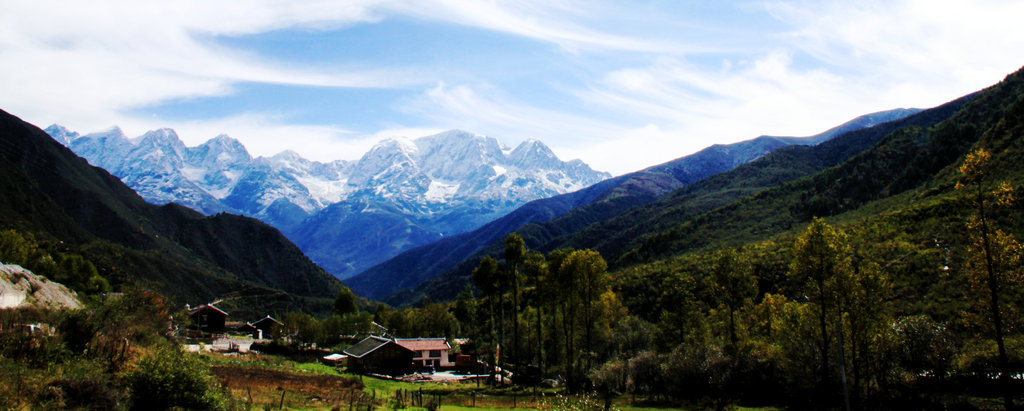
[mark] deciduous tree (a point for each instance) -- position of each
(993, 266)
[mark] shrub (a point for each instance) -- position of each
(167, 377)
(89, 393)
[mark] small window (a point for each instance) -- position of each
(435, 353)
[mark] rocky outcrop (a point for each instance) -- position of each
(22, 288)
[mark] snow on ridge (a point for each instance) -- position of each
(323, 190)
(441, 191)
(193, 173)
(445, 170)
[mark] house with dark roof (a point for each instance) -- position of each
(248, 328)
(375, 354)
(264, 328)
(429, 352)
(267, 326)
(208, 318)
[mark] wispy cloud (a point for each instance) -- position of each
(622, 86)
(484, 109)
(87, 62)
(550, 21)
(833, 61)
(266, 134)
(916, 48)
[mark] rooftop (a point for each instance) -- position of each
(366, 346)
(423, 344)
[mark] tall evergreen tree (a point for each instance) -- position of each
(487, 277)
(515, 253)
(821, 256)
(732, 285)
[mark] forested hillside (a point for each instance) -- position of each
(544, 221)
(618, 224)
(889, 280)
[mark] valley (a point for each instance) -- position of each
(877, 268)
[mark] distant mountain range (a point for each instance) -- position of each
(70, 207)
(346, 215)
(550, 218)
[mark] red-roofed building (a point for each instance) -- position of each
(429, 352)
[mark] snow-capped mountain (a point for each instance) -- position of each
(347, 216)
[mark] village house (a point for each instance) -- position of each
(266, 327)
(429, 352)
(261, 329)
(375, 354)
(208, 318)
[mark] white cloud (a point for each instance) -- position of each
(74, 61)
(865, 57)
(262, 134)
(633, 150)
(485, 109)
(647, 98)
(544, 20)
(926, 52)
(687, 107)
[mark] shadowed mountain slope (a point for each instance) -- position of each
(560, 215)
(55, 195)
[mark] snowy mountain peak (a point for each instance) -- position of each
(106, 149)
(224, 144)
(287, 155)
(400, 194)
(162, 135)
(110, 133)
(393, 144)
(219, 152)
(163, 138)
(61, 134)
(534, 154)
(161, 145)
(225, 141)
(453, 141)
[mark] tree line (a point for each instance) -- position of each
(858, 316)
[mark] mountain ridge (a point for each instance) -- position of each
(64, 201)
(587, 206)
(615, 236)
(418, 189)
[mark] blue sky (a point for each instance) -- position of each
(621, 85)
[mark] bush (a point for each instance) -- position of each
(89, 393)
(167, 377)
(34, 350)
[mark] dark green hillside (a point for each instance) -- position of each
(420, 264)
(614, 231)
(891, 279)
(906, 272)
(617, 236)
(914, 160)
(553, 219)
(559, 215)
(70, 207)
